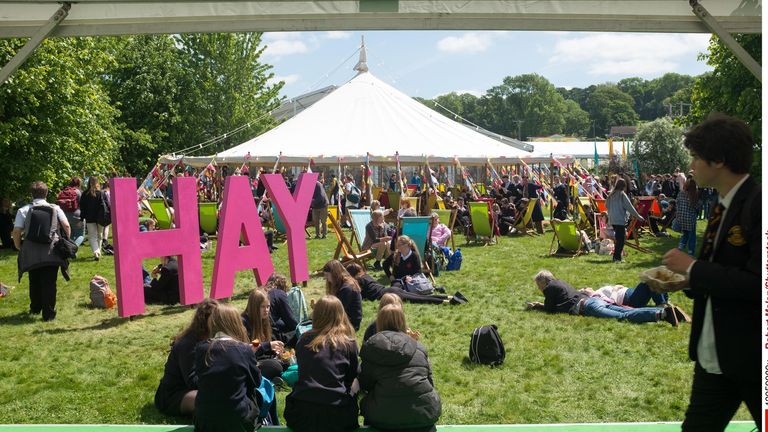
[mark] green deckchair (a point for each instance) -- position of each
(160, 212)
(417, 228)
(521, 223)
(482, 224)
(447, 218)
(394, 200)
(208, 217)
(566, 240)
(360, 219)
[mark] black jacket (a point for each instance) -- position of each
(733, 281)
(397, 377)
(353, 304)
(370, 288)
(89, 206)
(280, 311)
(326, 376)
(178, 377)
(561, 297)
(405, 267)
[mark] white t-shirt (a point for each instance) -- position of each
(21, 215)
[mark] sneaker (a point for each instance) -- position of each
(681, 315)
(670, 316)
(455, 301)
(461, 297)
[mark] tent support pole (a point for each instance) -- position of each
(741, 54)
(26, 51)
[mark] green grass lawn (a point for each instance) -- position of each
(89, 366)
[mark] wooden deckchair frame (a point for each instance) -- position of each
(555, 245)
(357, 236)
(636, 225)
(345, 246)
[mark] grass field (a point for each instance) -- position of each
(89, 366)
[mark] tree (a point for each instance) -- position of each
(576, 119)
(56, 121)
(608, 106)
(659, 147)
(731, 89)
(464, 104)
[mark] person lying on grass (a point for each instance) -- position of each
(372, 290)
(175, 396)
(559, 297)
(637, 297)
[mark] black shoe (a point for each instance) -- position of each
(440, 289)
(454, 301)
(50, 317)
(670, 316)
(461, 297)
(377, 265)
(681, 315)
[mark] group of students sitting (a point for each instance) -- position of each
(221, 366)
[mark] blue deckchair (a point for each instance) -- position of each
(417, 228)
(360, 219)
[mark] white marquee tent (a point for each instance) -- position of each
(368, 115)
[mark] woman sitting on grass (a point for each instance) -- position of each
(396, 374)
(372, 290)
(341, 284)
(176, 393)
(228, 376)
(404, 262)
(257, 323)
(322, 399)
(283, 322)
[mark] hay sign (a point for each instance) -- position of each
(238, 216)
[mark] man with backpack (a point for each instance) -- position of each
(41, 224)
(69, 201)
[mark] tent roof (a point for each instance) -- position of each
(575, 149)
(21, 18)
(368, 115)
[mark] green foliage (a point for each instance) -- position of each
(652, 97)
(609, 106)
(659, 147)
(464, 105)
(89, 366)
(56, 121)
(576, 119)
(731, 89)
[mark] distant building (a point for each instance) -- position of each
(623, 131)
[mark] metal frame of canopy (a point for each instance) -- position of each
(39, 19)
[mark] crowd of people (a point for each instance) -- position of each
(220, 367)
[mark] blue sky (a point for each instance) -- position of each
(430, 63)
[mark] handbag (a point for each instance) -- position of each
(65, 248)
(419, 284)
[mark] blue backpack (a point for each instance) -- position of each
(454, 262)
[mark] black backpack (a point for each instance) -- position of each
(40, 224)
(486, 346)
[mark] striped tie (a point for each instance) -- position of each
(711, 232)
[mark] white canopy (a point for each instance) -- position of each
(575, 149)
(22, 18)
(368, 115)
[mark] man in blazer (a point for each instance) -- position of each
(725, 280)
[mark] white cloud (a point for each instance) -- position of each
(283, 47)
(469, 43)
(621, 54)
(338, 35)
(288, 79)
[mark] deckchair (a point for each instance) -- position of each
(394, 200)
(332, 210)
(522, 221)
(483, 225)
(375, 192)
(208, 217)
(431, 202)
(440, 203)
(448, 218)
(599, 204)
(643, 207)
(383, 198)
(417, 228)
(566, 240)
(415, 201)
(344, 250)
(360, 219)
(279, 226)
(160, 211)
(585, 223)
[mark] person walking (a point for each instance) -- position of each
(618, 205)
(319, 206)
(41, 224)
(92, 203)
(687, 214)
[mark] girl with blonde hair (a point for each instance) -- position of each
(405, 261)
(396, 376)
(339, 283)
(257, 323)
(322, 399)
(228, 375)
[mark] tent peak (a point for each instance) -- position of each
(362, 65)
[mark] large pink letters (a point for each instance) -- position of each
(239, 215)
(131, 246)
(293, 211)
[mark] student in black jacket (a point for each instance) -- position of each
(371, 289)
(258, 326)
(165, 289)
(283, 322)
(322, 399)
(341, 284)
(404, 262)
(178, 387)
(227, 376)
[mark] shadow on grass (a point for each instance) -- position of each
(150, 415)
(115, 321)
(20, 318)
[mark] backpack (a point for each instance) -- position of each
(454, 262)
(419, 284)
(298, 304)
(41, 224)
(101, 294)
(103, 213)
(486, 346)
(67, 200)
(354, 195)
